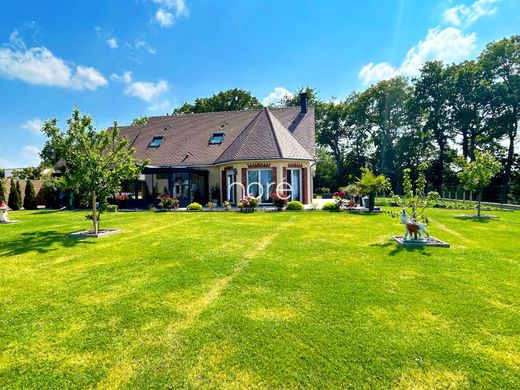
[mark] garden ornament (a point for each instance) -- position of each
(3, 212)
(412, 227)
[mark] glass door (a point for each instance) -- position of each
(230, 186)
(294, 188)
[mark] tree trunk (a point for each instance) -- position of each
(472, 147)
(465, 152)
(509, 164)
(478, 203)
(94, 213)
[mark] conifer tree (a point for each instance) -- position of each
(29, 200)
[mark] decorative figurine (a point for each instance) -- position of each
(4, 218)
(412, 227)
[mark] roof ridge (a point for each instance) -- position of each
(270, 119)
(207, 112)
(249, 126)
(288, 133)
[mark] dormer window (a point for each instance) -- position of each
(156, 141)
(216, 138)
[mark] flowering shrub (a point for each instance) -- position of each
(226, 205)
(122, 197)
(279, 200)
(211, 205)
(248, 202)
(168, 203)
(330, 206)
(194, 206)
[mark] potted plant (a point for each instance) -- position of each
(279, 200)
(370, 184)
(211, 206)
(122, 200)
(168, 203)
(227, 205)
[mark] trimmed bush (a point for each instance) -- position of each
(15, 198)
(330, 206)
(194, 206)
(29, 199)
(295, 205)
(2, 193)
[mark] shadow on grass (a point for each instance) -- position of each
(398, 248)
(475, 218)
(41, 242)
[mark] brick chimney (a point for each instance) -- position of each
(303, 102)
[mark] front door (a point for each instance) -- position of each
(294, 190)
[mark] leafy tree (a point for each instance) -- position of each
(15, 198)
(333, 128)
(140, 121)
(29, 200)
(417, 201)
(94, 162)
(469, 103)
(31, 173)
(230, 100)
(383, 113)
(477, 175)
(2, 173)
(501, 64)
(325, 170)
(295, 98)
(431, 97)
(370, 184)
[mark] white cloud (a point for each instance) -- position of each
(39, 66)
(169, 11)
(33, 125)
(160, 106)
(372, 73)
(276, 95)
(463, 15)
(448, 45)
(125, 77)
(112, 43)
(147, 91)
(140, 44)
(31, 155)
(164, 17)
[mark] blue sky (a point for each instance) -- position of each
(117, 60)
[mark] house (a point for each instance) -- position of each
(237, 152)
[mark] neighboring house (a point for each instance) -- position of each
(255, 150)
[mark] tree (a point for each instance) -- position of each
(476, 175)
(95, 163)
(383, 114)
(15, 201)
(230, 100)
(501, 64)
(32, 173)
(417, 201)
(295, 98)
(431, 97)
(140, 121)
(29, 200)
(332, 128)
(469, 103)
(2, 173)
(369, 184)
(325, 170)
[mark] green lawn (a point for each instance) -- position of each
(213, 300)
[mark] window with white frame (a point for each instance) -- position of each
(259, 182)
(294, 181)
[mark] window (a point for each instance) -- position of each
(156, 141)
(216, 138)
(294, 184)
(260, 182)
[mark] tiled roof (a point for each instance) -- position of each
(282, 133)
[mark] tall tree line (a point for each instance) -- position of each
(446, 111)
